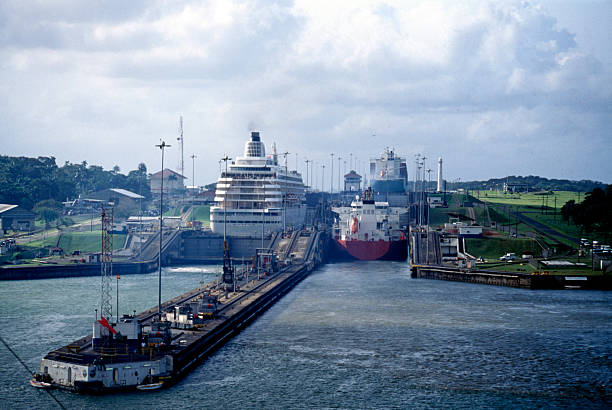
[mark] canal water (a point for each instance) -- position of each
(351, 335)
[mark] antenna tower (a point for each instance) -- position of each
(106, 259)
(181, 164)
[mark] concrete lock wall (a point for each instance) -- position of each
(206, 246)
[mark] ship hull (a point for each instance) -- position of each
(370, 250)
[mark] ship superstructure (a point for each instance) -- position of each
(369, 230)
(388, 173)
(256, 191)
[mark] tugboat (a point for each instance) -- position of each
(369, 230)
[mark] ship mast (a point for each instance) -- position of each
(181, 164)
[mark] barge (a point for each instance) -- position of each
(156, 348)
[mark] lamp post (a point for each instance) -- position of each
(226, 158)
(118, 277)
(193, 156)
(285, 194)
(162, 146)
(331, 185)
(263, 209)
(339, 161)
(322, 175)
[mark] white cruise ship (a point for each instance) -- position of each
(259, 195)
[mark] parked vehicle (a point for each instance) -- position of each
(508, 257)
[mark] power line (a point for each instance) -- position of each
(28, 369)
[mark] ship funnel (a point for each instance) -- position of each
(254, 147)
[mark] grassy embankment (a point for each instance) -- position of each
(80, 241)
(202, 213)
(544, 209)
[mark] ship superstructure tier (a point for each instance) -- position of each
(388, 173)
(256, 195)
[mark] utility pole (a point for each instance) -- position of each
(162, 146)
(263, 209)
(307, 162)
(322, 175)
(226, 158)
(193, 157)
(339, 159)
(285, 195)
(118, 277)
(181, 164)
(331, 185)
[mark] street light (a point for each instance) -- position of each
(322, 175)
(331, 185)
(162, 146)
(226, 158)
(285, 194)
(339, 159)
(193, 156)
(307, 162)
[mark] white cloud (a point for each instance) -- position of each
(444, 78)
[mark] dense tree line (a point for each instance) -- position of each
(29, 181)
(533, 182)
(594, 214)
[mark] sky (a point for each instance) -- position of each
(495, 88)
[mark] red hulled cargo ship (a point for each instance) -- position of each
(369, 230)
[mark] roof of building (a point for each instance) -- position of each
(13, 211)
(352, 174)
(167, 172)
(127, 193)
(6, 207)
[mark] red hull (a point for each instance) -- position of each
(372, 250)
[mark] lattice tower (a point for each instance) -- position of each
(106, 259)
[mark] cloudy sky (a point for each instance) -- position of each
(495, 88)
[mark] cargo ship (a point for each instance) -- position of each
(388, 174)
(369, 230)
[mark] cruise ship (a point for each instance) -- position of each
(388, 173)
(257, 195)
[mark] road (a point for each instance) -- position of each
(543, 229)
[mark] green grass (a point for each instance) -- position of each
(493, 248)
(508, 267)
(530, 198)
(90, 241)
(440, 216)
(202, 213)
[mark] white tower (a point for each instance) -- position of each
(440, 180)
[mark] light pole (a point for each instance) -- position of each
(307, 184)
(331, 185)
(339, 159)
(117, 298)
(419, 201)
(263, 209)
(193, 156)
(162, 146)
(351, 162)
(322, 175)
(285, 195)
(226, 158)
